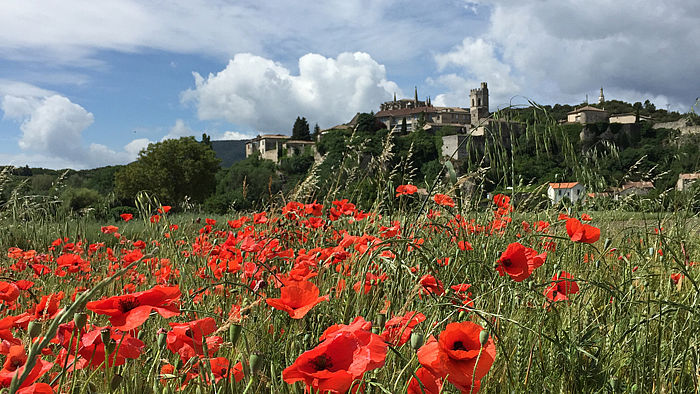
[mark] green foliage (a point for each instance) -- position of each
(300, 131)
(249, 183)
(76, 200)
(171, 170)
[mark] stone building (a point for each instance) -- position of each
(686, 180)
(479, 104)
(627, 118)
(276, 146)
(587, 115)
(394, 113)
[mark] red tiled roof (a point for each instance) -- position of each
(586, 108)
(405, 111)
(563, 185)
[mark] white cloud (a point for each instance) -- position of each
(559, 51)
(180, 129)
(51, 128)
(264, 95)
(235, 135)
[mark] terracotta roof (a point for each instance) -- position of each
(278, 136)
(563, 185)
(586, 108)
(300, 142)
(695, 175)
(638, 185)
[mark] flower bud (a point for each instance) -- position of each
(483, 337)
(162, 338)
(416, 340)
(115, 382)
(34, 329)
(255, 362)
(80, 320)
(234, 332)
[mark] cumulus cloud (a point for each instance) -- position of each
(266, 96)
(180, 129)
(561, 50)
(235, 135)
(51, 128)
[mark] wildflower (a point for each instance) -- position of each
(405, 190)
(9, 292)
(579, 232)
(501, 200)
(398, 329)
(187, 339)
(431, 285)
(519, 261)
(297, 298)
(126, 216)
(454, 355)
(346, 353)
(430, 383)
(561, 287)
(121, 346)
(444, 200)
(131, 310)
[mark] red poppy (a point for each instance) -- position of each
(454, 355)
(501, 200)
(164, 209)
(519, 261)
(222, 369)
(586, 217)
(405, 189)
(14, 365)
(155, 219)
(92, 347)
(676, 277)
(398, 329)
(431, 384)
(444, 200)
(561, 287)
(126, 216)
(131, 310)
(9, 292)
(186, 339)
(431, 285)
(346, 353)
(297, 299)
(579, 232)
(36, 388)
(109, 229)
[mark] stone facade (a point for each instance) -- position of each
(586, 115)
(479, 103)
(686, 180)
(276, 146)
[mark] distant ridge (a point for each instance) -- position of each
(229, 151)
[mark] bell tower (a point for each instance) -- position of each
(479, 103)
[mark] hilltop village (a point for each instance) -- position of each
(480, 126)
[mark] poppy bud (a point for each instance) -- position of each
(255, 362)
(34, 329)
(483, 337)
(375, 330)
(607, 244)
(381, 320)
(416, 340)
(116, 381)
(80, 319)
(461, 315)
(234, 332)
(162, 338)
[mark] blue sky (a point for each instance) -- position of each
(85, 84)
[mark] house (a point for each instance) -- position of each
(574, 191)
(276, 146)
(640, 188)
(587, 115)
(686, 180)
(628, 118)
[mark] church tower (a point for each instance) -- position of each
(479, 103)
(601, 98)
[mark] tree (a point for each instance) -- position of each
(171, 170)
(300, 131)
(404, 127)
(317, 133)
(206, 140)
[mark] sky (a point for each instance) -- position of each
(87, 83)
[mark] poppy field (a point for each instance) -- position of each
(311, 297)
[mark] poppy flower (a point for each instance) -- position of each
(346, 353)
(431, 384)
(92, 347)
(164, 209)
(126, 216)
(109, 229)
(36, 388)
(444, 200)
(222, 369)
(186, 339)
(561, 287)
(579, 232)
(431, 285)
(131, 310)
(297, 299)
(519, 261)
(454, 355)
(402, 190)
(9, 292)
(398, 329)
(14, 365)
(501, 200)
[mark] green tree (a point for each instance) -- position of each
(300, 131)
(171, 170)
(316, 134)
